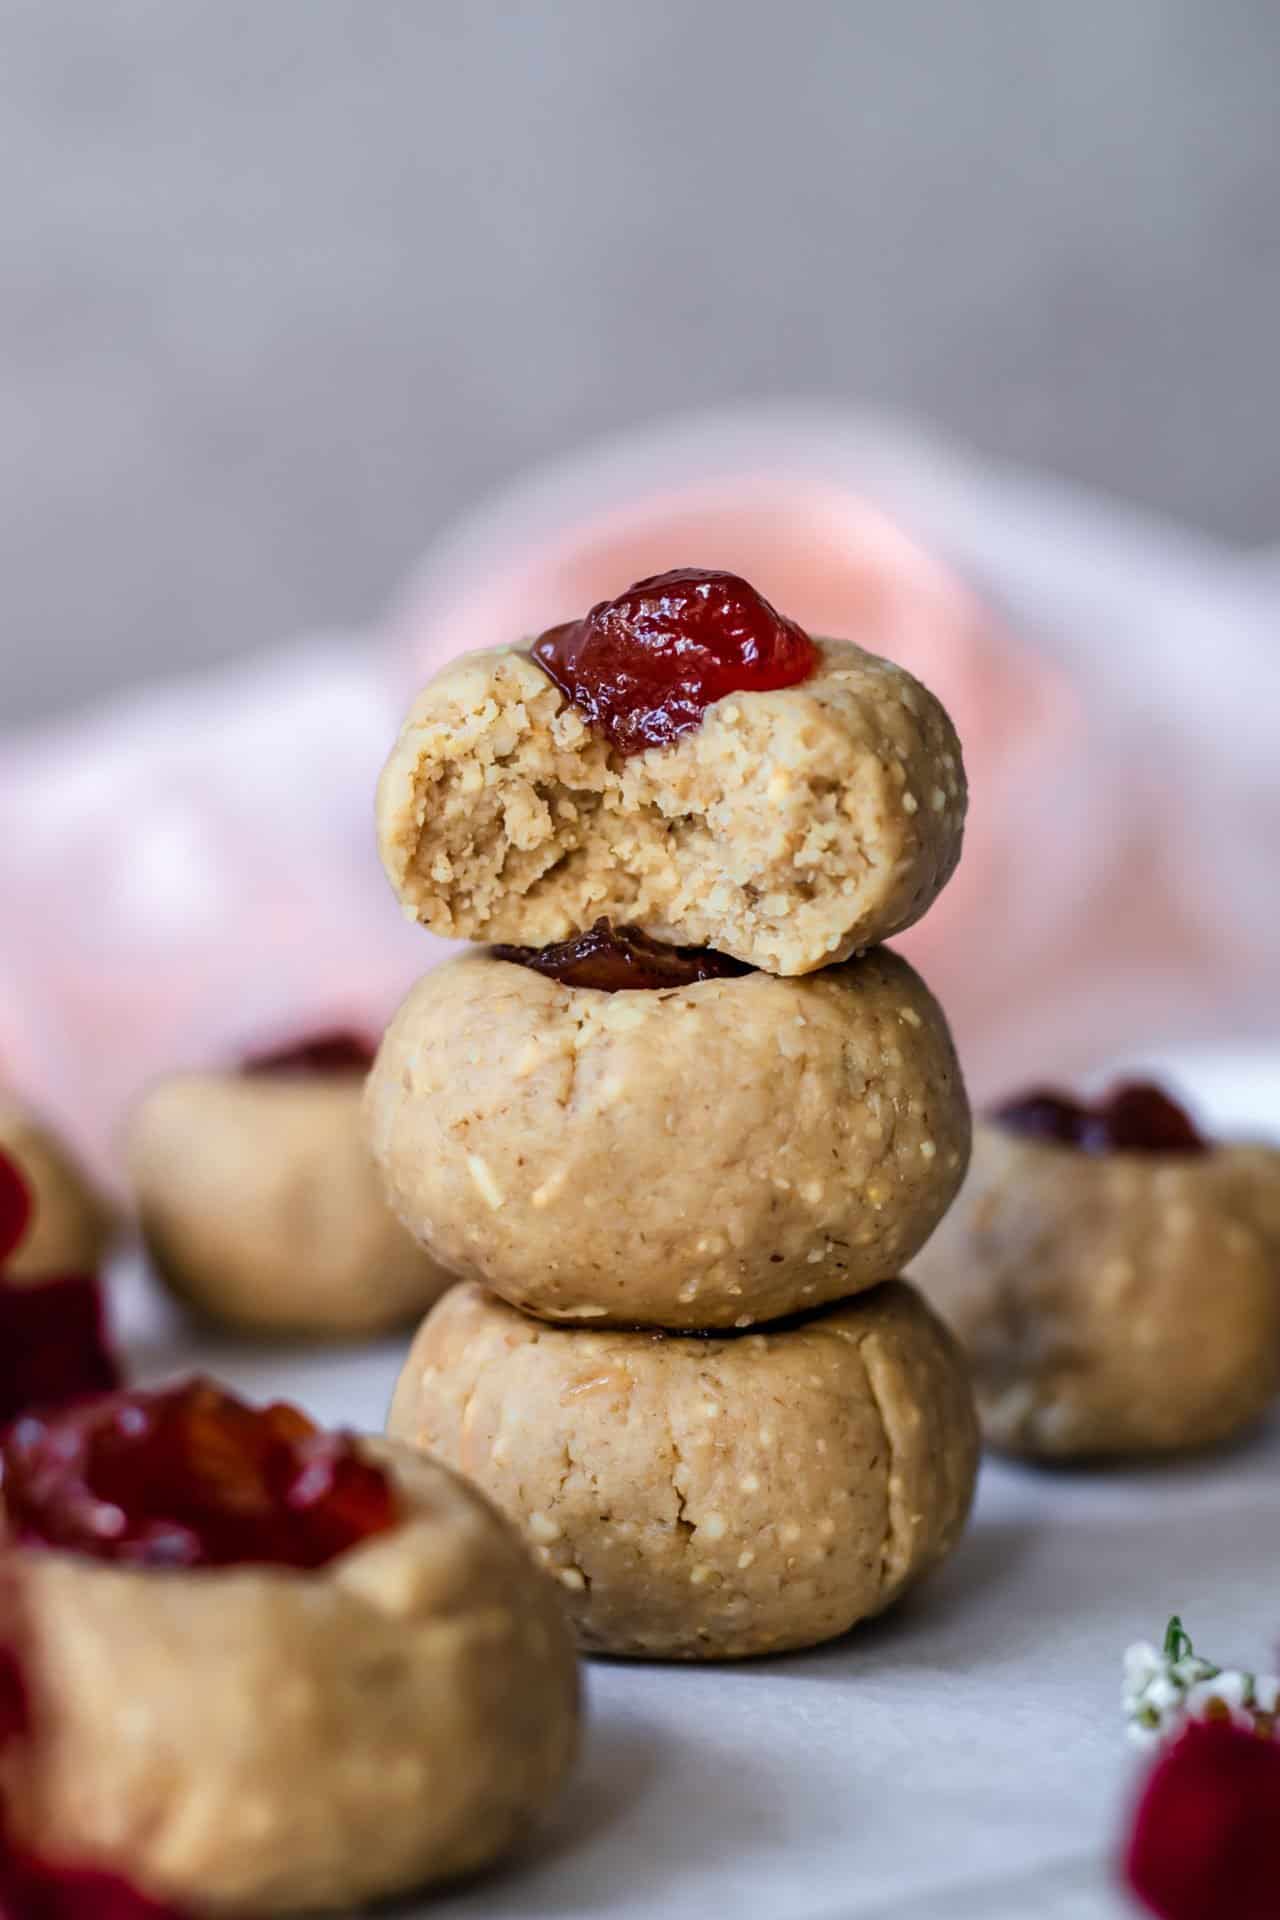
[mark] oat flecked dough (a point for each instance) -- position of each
(788, 829)
(258, 1741)
(1122, 1304)
(702, 1156)
(71, 1224)
(708, 1498)
(260, 1206)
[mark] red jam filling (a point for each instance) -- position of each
(15, 1715)
(53, 1344)
(645, 667)
(622, 959)
(30, 1889)
(337, 1052)
(15, 1205)
(1135, 1117)
(191, 1477)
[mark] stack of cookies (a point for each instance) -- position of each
(680, 1121)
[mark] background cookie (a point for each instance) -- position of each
(70, 1224)
(251, 1740)
(259, 1204)
(708, 1498)
(788, 829)
(1112, 1304)
(706, 1156)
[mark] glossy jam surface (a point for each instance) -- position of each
(191, 1477)
(622, 959)
(645, 667)
(15, 1205)
(337, 1052)
(1135, 1117)
(53, 1344)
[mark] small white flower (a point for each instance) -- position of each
(1166, 1687)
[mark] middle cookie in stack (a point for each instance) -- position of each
(610, 1133)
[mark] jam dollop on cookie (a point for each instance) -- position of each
(623, 959)
(645, 667)
(53, 1338)
(53, 1344)
(1135, 1117)
(190, 1476)
(337, 1052)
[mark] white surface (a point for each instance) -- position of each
(963, 1757)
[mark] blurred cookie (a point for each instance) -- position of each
(707, 1155)
(259, 1204)
(788, 826)
(62, 1225)
(707, 1498)
(1108, 1277)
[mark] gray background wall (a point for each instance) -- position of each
(284, 286)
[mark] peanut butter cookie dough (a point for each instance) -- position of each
(260, 1206)
(70, 1224)
(1112, 1303)
(254, 1740)
(706, 1156)
(708, 1498)
(788, 829)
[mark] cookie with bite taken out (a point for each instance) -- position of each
(685, 760)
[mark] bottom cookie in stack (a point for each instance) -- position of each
(708, 1497)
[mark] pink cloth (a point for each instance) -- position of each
(191, 871)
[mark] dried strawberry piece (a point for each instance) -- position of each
(15, 1205)
(645, 667)
(622, 959)
(341, 1051)
(191, 1477)
(1135, 1117)
(1204, 1840)
(53, 1343)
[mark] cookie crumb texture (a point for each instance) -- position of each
(260, 1207)
(707, 1499)
(787, 830)
(709, 1156)
(1126, 1304)
(256, 1741)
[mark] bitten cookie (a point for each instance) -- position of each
(259, 1205)
(702, 1156)
(1110, 1303)
(258, 1740)
(788, 828)
(67, 1226)
(708, 1498)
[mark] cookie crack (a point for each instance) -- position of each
(683, 1526)
(892, 1532)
